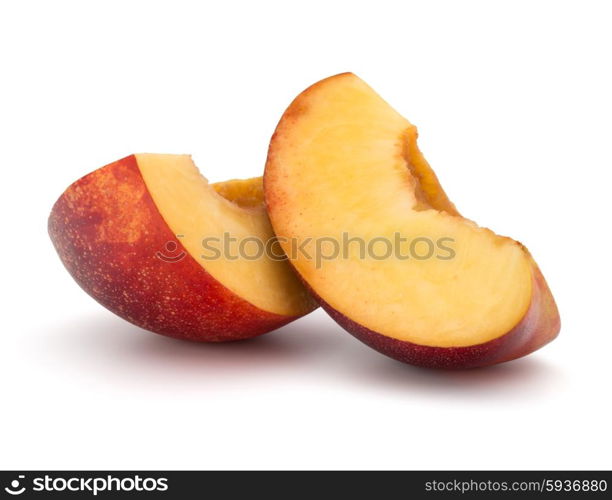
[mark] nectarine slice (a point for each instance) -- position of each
(344, 166)
(131, 234)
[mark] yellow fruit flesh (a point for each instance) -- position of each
(246, 193)
(196, 210)
(344, 161)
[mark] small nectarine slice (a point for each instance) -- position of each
(131, 234)
(344, 166)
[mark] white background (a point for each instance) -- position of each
(513, 104)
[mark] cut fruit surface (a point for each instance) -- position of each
(131, 234)
(344, 166)
(195, 209)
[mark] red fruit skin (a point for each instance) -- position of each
(539, 326)
(110, 235)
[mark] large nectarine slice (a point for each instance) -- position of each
(131, 234)
(344, 167)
